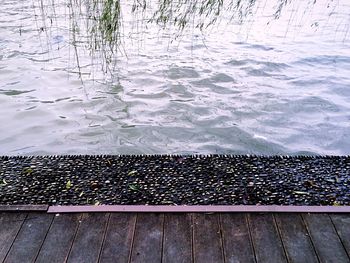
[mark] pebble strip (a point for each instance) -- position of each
(175, 180)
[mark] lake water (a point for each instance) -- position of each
(253, 80)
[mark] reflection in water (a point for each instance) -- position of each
(95, 77)
(98, 24)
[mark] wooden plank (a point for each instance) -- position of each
(342, 225)
(266, 241)
(59, 239)
(88, 241)
(325, 239)
(119, 235)
(296, 240)
(177, 246)
(22, 208)
(148, 237)
(236, 237)
(207, 241)
(30, 238)
(10, 225)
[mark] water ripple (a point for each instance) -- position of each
(263, 87)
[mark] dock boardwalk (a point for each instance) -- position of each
(174, 237)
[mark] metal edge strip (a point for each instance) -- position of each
(199, 209)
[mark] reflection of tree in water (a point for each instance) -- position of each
(98, 24)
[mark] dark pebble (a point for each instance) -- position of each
(182, 180)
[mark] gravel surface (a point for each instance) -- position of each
(162, 179)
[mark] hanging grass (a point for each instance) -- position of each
(98, 24)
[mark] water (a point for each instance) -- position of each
(246, 83)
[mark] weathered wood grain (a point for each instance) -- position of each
(10, 224)
(174, 237)
(88, 241)
(59, 239)
(342, 225)
(325, 239)
(148, 238)
(266, 241)
(28, 242)
(177, 246)
(207, 241)
(295, 238)
(119, 235)
(236, 237)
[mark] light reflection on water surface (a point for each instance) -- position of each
(264, 77)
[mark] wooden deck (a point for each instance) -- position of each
(174, 237)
